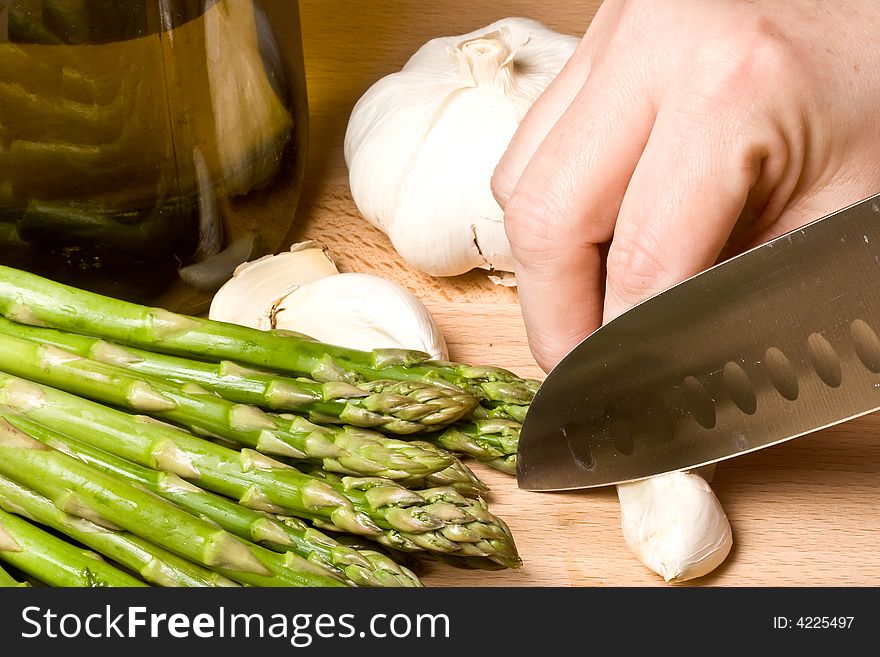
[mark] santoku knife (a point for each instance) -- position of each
(770, 345)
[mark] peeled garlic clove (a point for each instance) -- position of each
(361, 311)
(250, 296)
(675, 525)
(422, 143)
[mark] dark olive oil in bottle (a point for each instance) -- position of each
(148, 146)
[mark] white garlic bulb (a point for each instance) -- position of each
(301, 290)
(422, 143)
(675, 525)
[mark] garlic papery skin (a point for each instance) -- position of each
(422, 143)
(675, 525)
(250, 297)
(361, 311)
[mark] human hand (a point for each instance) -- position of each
(680, 133)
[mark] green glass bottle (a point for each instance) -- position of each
(149, 146)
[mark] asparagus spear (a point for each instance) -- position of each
(345, 449)
(362, 569)
(491, 441)
(31, 299)
(490, 433)
(8, 581)
(147, 232)
(499, 411)
(80, 489)
(472, 488)
(383, 571)
(404, 407)
(152, 563)
(457, 476)
(54, 561)
(437, 519)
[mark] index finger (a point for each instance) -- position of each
(564, 208)
(552, 103)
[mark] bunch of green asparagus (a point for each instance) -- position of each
(143, 447)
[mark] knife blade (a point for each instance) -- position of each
(772, 344)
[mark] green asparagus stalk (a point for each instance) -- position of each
(80, 489)
(458, 561)
(499, 411)
(490, 434)
(437, 519)
(152, 563)
(403, 407)
(362, 569)
(227, 378)
(491, 441)
(30, 299)
(473, 488)
(346, 449)
(409, 560)
(457, 476)
(147, 233)
(8, 581)
(384, 570)
(53, 560)
(505, 464)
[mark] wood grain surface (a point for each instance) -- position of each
(804, 513)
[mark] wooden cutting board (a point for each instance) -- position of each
(805, 513)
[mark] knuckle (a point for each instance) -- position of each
(756, 55)
(545, 353)
(636, 268)
(534, 222)
(774, 48)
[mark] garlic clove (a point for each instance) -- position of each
(675, 525)
(249, 297)
(302, 290)
(361, 311)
